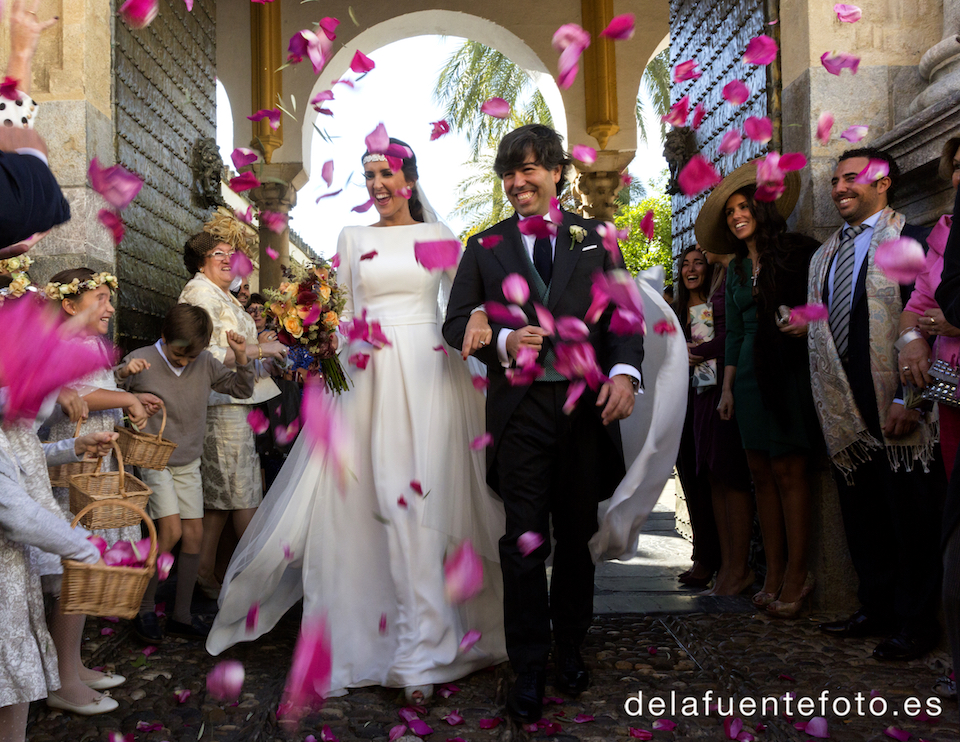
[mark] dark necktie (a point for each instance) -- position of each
(843, 285)
(543, 258)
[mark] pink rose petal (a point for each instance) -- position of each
(469, 639)
(480, 383)
(326, 172)
(327, 735)
(271, 253)
(225, 681)
(803, 315)
(620, 28)
(529, 542)
(736, 92)
(758, 129)
(258, 420)
(253, 617)
(730, 142)
(847, 13)
(664, 327)
(323, 425)
(491, 241)
(817, 727)
(164, 563)
(107, 631)
(699, 113)
(665, 724)
(571, 41)
(329, 26)
(8, 89)
(900, 260)
(284, 434)
(537, 226)
(834, 62)
(646, 225)
(139, 13)
(898, 734)
(117, 185)
(271, 114)
(793, 161)
(244, 216)
(583, 153)
(463, 572)
(420, 727)
(182, 695)
(874, 171)
(242, 156)
(309, 679)
(275, 221)
(515, 289)
(732, 726)
(490, 723)
(382, 626)
(402, 502)
(639, 733)
(824, 126)
(440, 128)
(453, 719)
(244, 182)
(416, 487)
(498, 108)
(686, 71)
(112, 222)
(481, 442)
(760, 50)
(854, 133)
(143, 726)
(397, 732)
(572, 329)
(305, 43)
(697, 176)
(582, 718)
(437, 255)
(361, 63)
(679, 111)
(240, 264)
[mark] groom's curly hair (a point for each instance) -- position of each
(545, 144)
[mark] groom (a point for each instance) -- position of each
(543, 463)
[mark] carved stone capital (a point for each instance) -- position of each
(597, 191)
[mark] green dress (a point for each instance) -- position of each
(788, 431)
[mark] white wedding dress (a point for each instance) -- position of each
(373, 566)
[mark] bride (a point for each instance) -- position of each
(371, 557)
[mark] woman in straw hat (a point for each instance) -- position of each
(766, 375)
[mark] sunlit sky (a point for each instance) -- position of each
(405, 104)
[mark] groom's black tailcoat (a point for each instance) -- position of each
(545, 464)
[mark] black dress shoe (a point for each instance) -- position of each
(572, 675)
(196, 629)
(906, 645)
(525, 698)
(146, 626)
(859, 624)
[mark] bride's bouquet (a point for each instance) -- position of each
(307, 308)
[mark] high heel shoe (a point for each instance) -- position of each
(762, 599)
(782, 609)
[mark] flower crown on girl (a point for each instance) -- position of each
(17, 269)
(59, 291)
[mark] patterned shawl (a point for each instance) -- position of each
(849, 442)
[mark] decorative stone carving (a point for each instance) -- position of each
(207, 167)
(597, 192)
(940, 65)
(679, 146)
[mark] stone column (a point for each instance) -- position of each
(597, 185)
(940, 65)
(279, 195)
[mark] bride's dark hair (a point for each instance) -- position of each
(409, 170)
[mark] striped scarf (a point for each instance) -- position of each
(848, 440)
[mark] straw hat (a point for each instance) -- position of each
(711, 226)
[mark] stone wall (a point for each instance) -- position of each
(715, 33)
(165, 99)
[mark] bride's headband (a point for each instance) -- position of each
(375, 157)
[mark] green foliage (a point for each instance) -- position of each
(656, 83)
(639, 253)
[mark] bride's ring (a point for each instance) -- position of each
(482, 343)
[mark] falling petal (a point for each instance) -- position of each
(491, 241)
(699, 113)
(284, 434)
(758, 129)
(287, 552)
(404, 192)
(847, 13)
(107, 631)
(243, 156)
(611, 237)
(463, 570)
(329, 26)
(244, 182)
(898, 734)
(490, 723)
(854, 133)
(8, 89)
(793, 161)
(112, 222)
(397, 732)
(326, 734)
(271, 253)
(318, 49)
(697, 176)
(437, 255)
(679, 111)
(440, 128)
(582, 718)
(402, 502)
(275, 221)
(583, 153)
(529, 542)
(511, 315)
(309, 679)
(834, 62)
(271, 114)
(480, 383)
(570, 40)
(469, 639)
(326, 172)
(337, 193)
(817, 727)
(620, 28)
(824, 126)
(324, 427)
(378, 141)
(139, 13)
(572, 329)
(257, 420)
(253, 617)
(646, 225)
(515, 288)
(537, 226)
(225, 681)
(244, 216)
(625, 322)
(164, 563)
(874, 171)
(361, 63)
(730, 142)
(640, 733)
(664, 327)
(498, 108)
(803, 315)
(665, 724)
(686, 71)
(736, 92)
(240, 264)
(760, 50)
(481, 442)
(117, 185)
(362, 208)
(32, 335)
(900, 260)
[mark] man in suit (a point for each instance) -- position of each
(879, 448)
(543, 463)
(32, 200)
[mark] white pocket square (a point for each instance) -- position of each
(589, 247)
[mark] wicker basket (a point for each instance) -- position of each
(98, 590)
(60, 475)
(113, 488)
(148, 451)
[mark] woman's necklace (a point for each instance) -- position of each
(756, 270)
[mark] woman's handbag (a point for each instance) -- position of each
(943, 388)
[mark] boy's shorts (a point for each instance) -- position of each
(177, 490)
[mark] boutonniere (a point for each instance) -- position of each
(577, 234)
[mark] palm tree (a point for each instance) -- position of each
(656, 83)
